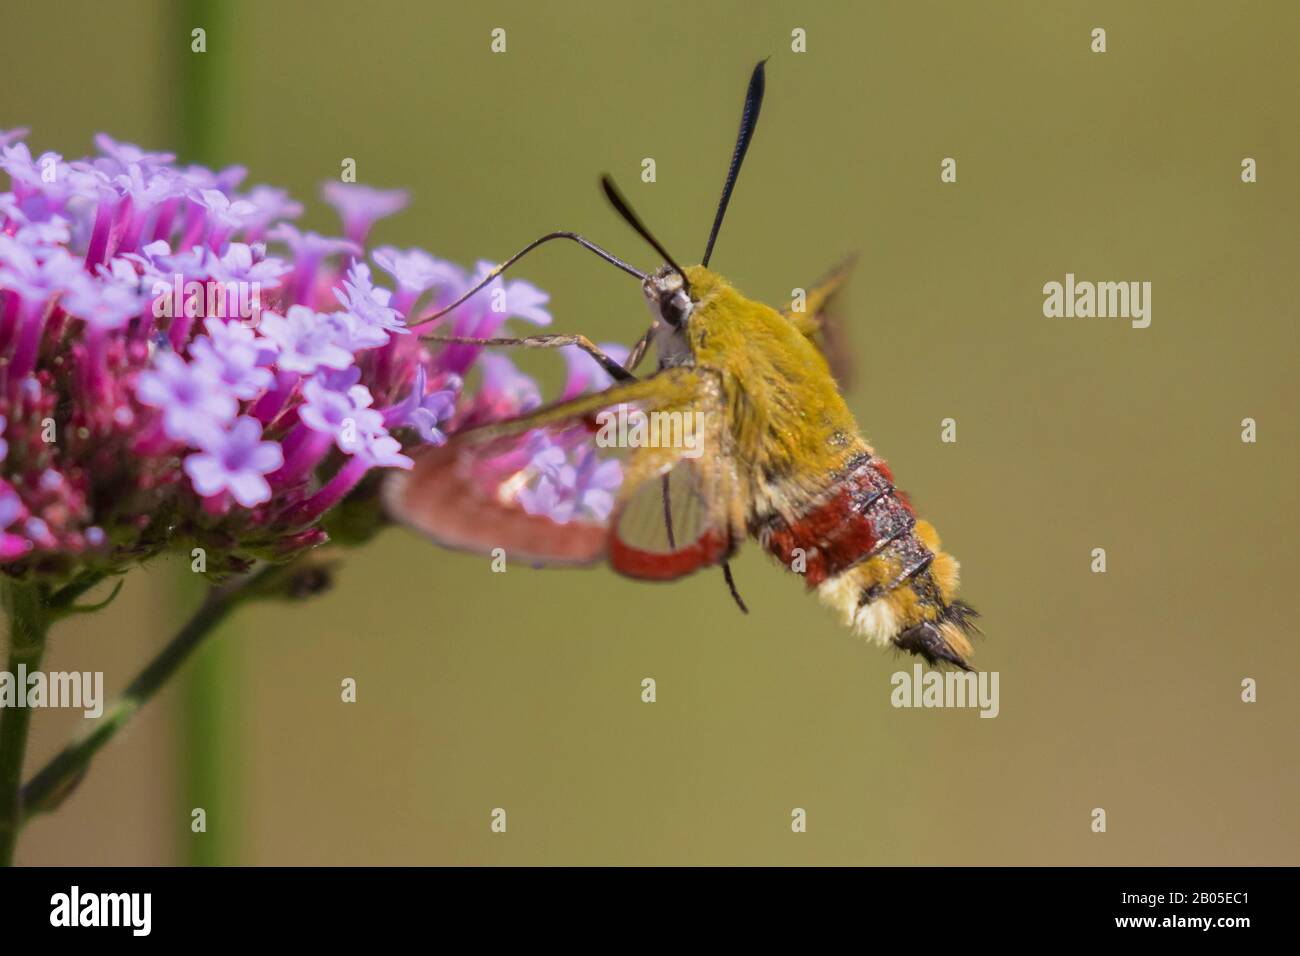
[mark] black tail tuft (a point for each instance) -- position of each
(963, 615)
(928, 642)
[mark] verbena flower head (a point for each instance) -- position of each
(180, 367)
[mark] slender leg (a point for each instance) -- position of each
(668, 513)
(731, 585)
(618, 372)
(638, 351)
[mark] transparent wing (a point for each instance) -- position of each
(550, 486)
(678, 523)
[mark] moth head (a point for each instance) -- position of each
(666, 294)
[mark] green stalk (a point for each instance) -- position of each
(207, 732)
(29, 622)
(58, 778)
(45, 791)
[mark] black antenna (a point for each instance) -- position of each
(620, 205)
(748, 120)
(585, 243)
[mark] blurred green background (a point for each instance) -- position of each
(477, 690)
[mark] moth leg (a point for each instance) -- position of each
(617, 371)
(668, 513)
(633, 358)
(638, 351)
(731, 586)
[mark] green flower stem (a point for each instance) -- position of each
(45, 791)
(30, 610)
(29, 622)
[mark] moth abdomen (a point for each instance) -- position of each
(861, 516)
(868, 556)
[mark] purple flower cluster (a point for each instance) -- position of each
(182, 367)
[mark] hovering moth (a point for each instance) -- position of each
(775, 455)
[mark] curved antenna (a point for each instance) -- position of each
(585, 243)
(623, 209)
(748, 120)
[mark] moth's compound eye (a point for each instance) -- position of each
(675, 308)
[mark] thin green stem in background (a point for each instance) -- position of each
(197, 105)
